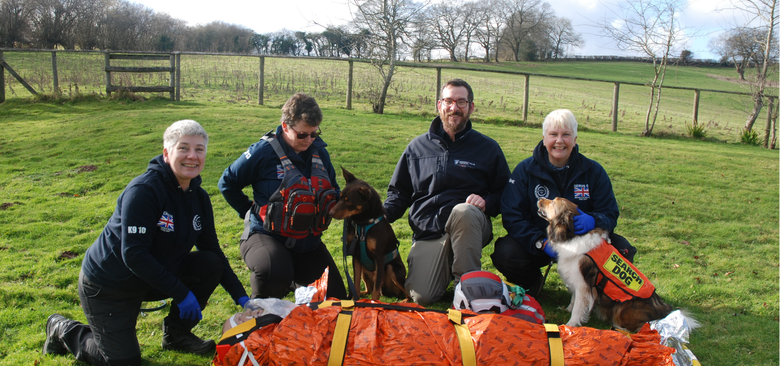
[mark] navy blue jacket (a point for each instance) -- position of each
(260, 167)
(582, 181)
(155, 224)
(433, 175)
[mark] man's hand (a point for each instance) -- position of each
(583, 223)
(476, 200)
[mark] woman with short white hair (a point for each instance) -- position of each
(556, 169)
(144, 254)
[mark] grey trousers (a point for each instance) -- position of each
(433, 264)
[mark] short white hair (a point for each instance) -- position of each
(560, 118)
(185, 127)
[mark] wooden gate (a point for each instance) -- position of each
(174, 84)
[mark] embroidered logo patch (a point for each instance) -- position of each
(622, 271)
(464, 164)
(166, 222)
(196, 223)
(279, 171)
(541, 191)
(136, 230)
(581, 192)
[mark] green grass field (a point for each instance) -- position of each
(703, 215)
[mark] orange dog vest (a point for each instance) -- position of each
(617, 277)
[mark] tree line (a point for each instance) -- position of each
(488, 29)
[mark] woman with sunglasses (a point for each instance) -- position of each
(279, 264)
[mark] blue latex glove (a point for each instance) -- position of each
(242, 300)
(549, 250)
(189, 308)
(583, 223)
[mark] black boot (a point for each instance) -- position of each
(55, 327)
(179, 338)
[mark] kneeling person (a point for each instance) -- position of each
(144, 254)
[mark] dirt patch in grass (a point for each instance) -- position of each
(7, 205)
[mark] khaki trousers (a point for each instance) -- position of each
(433, 264)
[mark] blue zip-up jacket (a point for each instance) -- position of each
(260, 167)
(432, 176)
(583, 181)
(155, 224)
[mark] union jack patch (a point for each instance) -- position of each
(279, 171)
(581, 192)
(166, 222)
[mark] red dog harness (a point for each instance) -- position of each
(617, 277)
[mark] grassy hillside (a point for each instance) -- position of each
(703, 215)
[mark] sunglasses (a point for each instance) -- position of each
(302, 136)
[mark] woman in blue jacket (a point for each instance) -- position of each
(556, 169)
(278, 262)
(144, 254)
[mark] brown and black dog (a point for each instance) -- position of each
(360, 206)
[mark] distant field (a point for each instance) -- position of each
(499, 97)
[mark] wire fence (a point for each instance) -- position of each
(503, 96)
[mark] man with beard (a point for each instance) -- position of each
(451, 178)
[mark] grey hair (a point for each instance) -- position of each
(560, 118)
(185, 127)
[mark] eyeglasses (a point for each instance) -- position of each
(302, 136)
(461, 103)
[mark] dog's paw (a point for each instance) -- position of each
(573, 323)
(568, 308)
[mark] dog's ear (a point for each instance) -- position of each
(347, 175)
(365, 193)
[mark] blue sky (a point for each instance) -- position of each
(700, 18)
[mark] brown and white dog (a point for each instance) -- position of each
(360, 206)
(589, 282)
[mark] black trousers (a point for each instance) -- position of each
(110, 338)
(522, 268)
(275, 267)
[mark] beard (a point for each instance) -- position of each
(456, 125)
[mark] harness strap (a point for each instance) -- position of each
(467, 351)
(361, 232)
(338, 346)
(555, 343)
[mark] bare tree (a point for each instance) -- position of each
(14, 22)
(447, 20)
(649, 27)
(523, 17)
(492, 22)
(562, 34)
(470, 25)
(422, 40)
(54, 21)
(389, 23)
(762, 16)
(742, 46)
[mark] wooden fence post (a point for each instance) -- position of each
(438, 84)
(178, 76)
(261, 81)
(525, 98)
(2, 78)
(769, 112)
(108, 73)
(615, 106)
(349, 86)
(172, 83)
(55, 77)
(696, 94)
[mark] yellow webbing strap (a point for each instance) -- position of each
(339, 345)
(464, 338)
(556, 345)
(238, 329)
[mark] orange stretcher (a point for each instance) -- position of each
(374, 333)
